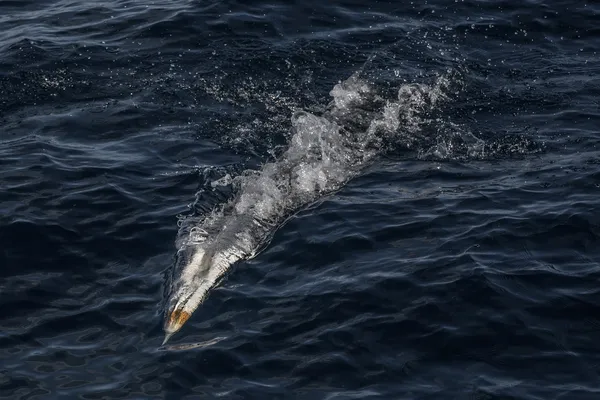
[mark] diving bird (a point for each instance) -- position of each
(324, 153)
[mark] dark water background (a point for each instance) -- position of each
(437, 274)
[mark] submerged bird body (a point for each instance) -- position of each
(201, 266)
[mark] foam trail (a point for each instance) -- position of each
(324, 153)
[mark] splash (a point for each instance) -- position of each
(324, 153)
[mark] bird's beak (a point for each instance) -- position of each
(174, 323)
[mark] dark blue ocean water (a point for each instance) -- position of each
(463, 263)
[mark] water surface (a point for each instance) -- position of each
(461, 262)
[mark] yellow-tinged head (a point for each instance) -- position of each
(174, 322)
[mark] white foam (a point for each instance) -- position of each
(349, 92)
